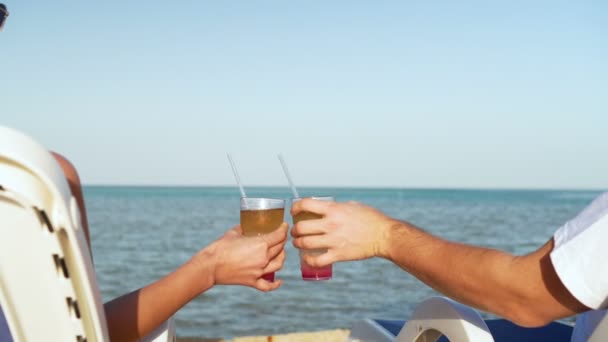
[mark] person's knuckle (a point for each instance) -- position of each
(331, 225)
(280, 259)
(261, 244)
(295, 229)
(264, 260)
(306, 243)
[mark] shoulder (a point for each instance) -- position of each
(593, 213)
(579, 253)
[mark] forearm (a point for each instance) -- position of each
(230, 260)
(523, 289)
(134, 315)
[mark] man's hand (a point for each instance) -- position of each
(349, 231)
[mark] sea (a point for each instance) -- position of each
(141, 233)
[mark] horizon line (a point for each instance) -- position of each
(370, 187)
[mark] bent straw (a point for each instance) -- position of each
(293, 187)
(236, 176)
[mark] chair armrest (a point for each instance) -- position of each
(438, 316)
(369, 330)
(164, 333)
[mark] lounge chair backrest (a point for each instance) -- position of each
(48, 289)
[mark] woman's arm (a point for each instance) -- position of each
(232, 259)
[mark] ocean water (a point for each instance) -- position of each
(140, 234)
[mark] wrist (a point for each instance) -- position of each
(389, 238)
(205, 263)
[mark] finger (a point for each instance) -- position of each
(275, 264)
(309, 227)
(234, 231)
(275, 250)
(319, 260)
(311, 242)
(266, 286)
(277, 236)
(311, 205)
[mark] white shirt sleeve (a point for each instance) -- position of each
(580, 254)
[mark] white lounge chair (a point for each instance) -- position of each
(438, 318)
(48, 289)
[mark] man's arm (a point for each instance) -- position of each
(523, 289)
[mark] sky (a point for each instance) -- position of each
(425, 94)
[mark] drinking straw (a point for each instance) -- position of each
(286, 171)
(236, 176)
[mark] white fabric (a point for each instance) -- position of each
(580, 259)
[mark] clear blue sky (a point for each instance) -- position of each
(474, 94)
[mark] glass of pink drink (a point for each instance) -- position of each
(310, 273)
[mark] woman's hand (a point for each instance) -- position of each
(242, 260)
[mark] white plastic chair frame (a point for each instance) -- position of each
(432, 318)
(437, 316)
(48, 289)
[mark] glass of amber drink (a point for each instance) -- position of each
(261, 216)
(310, 273)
